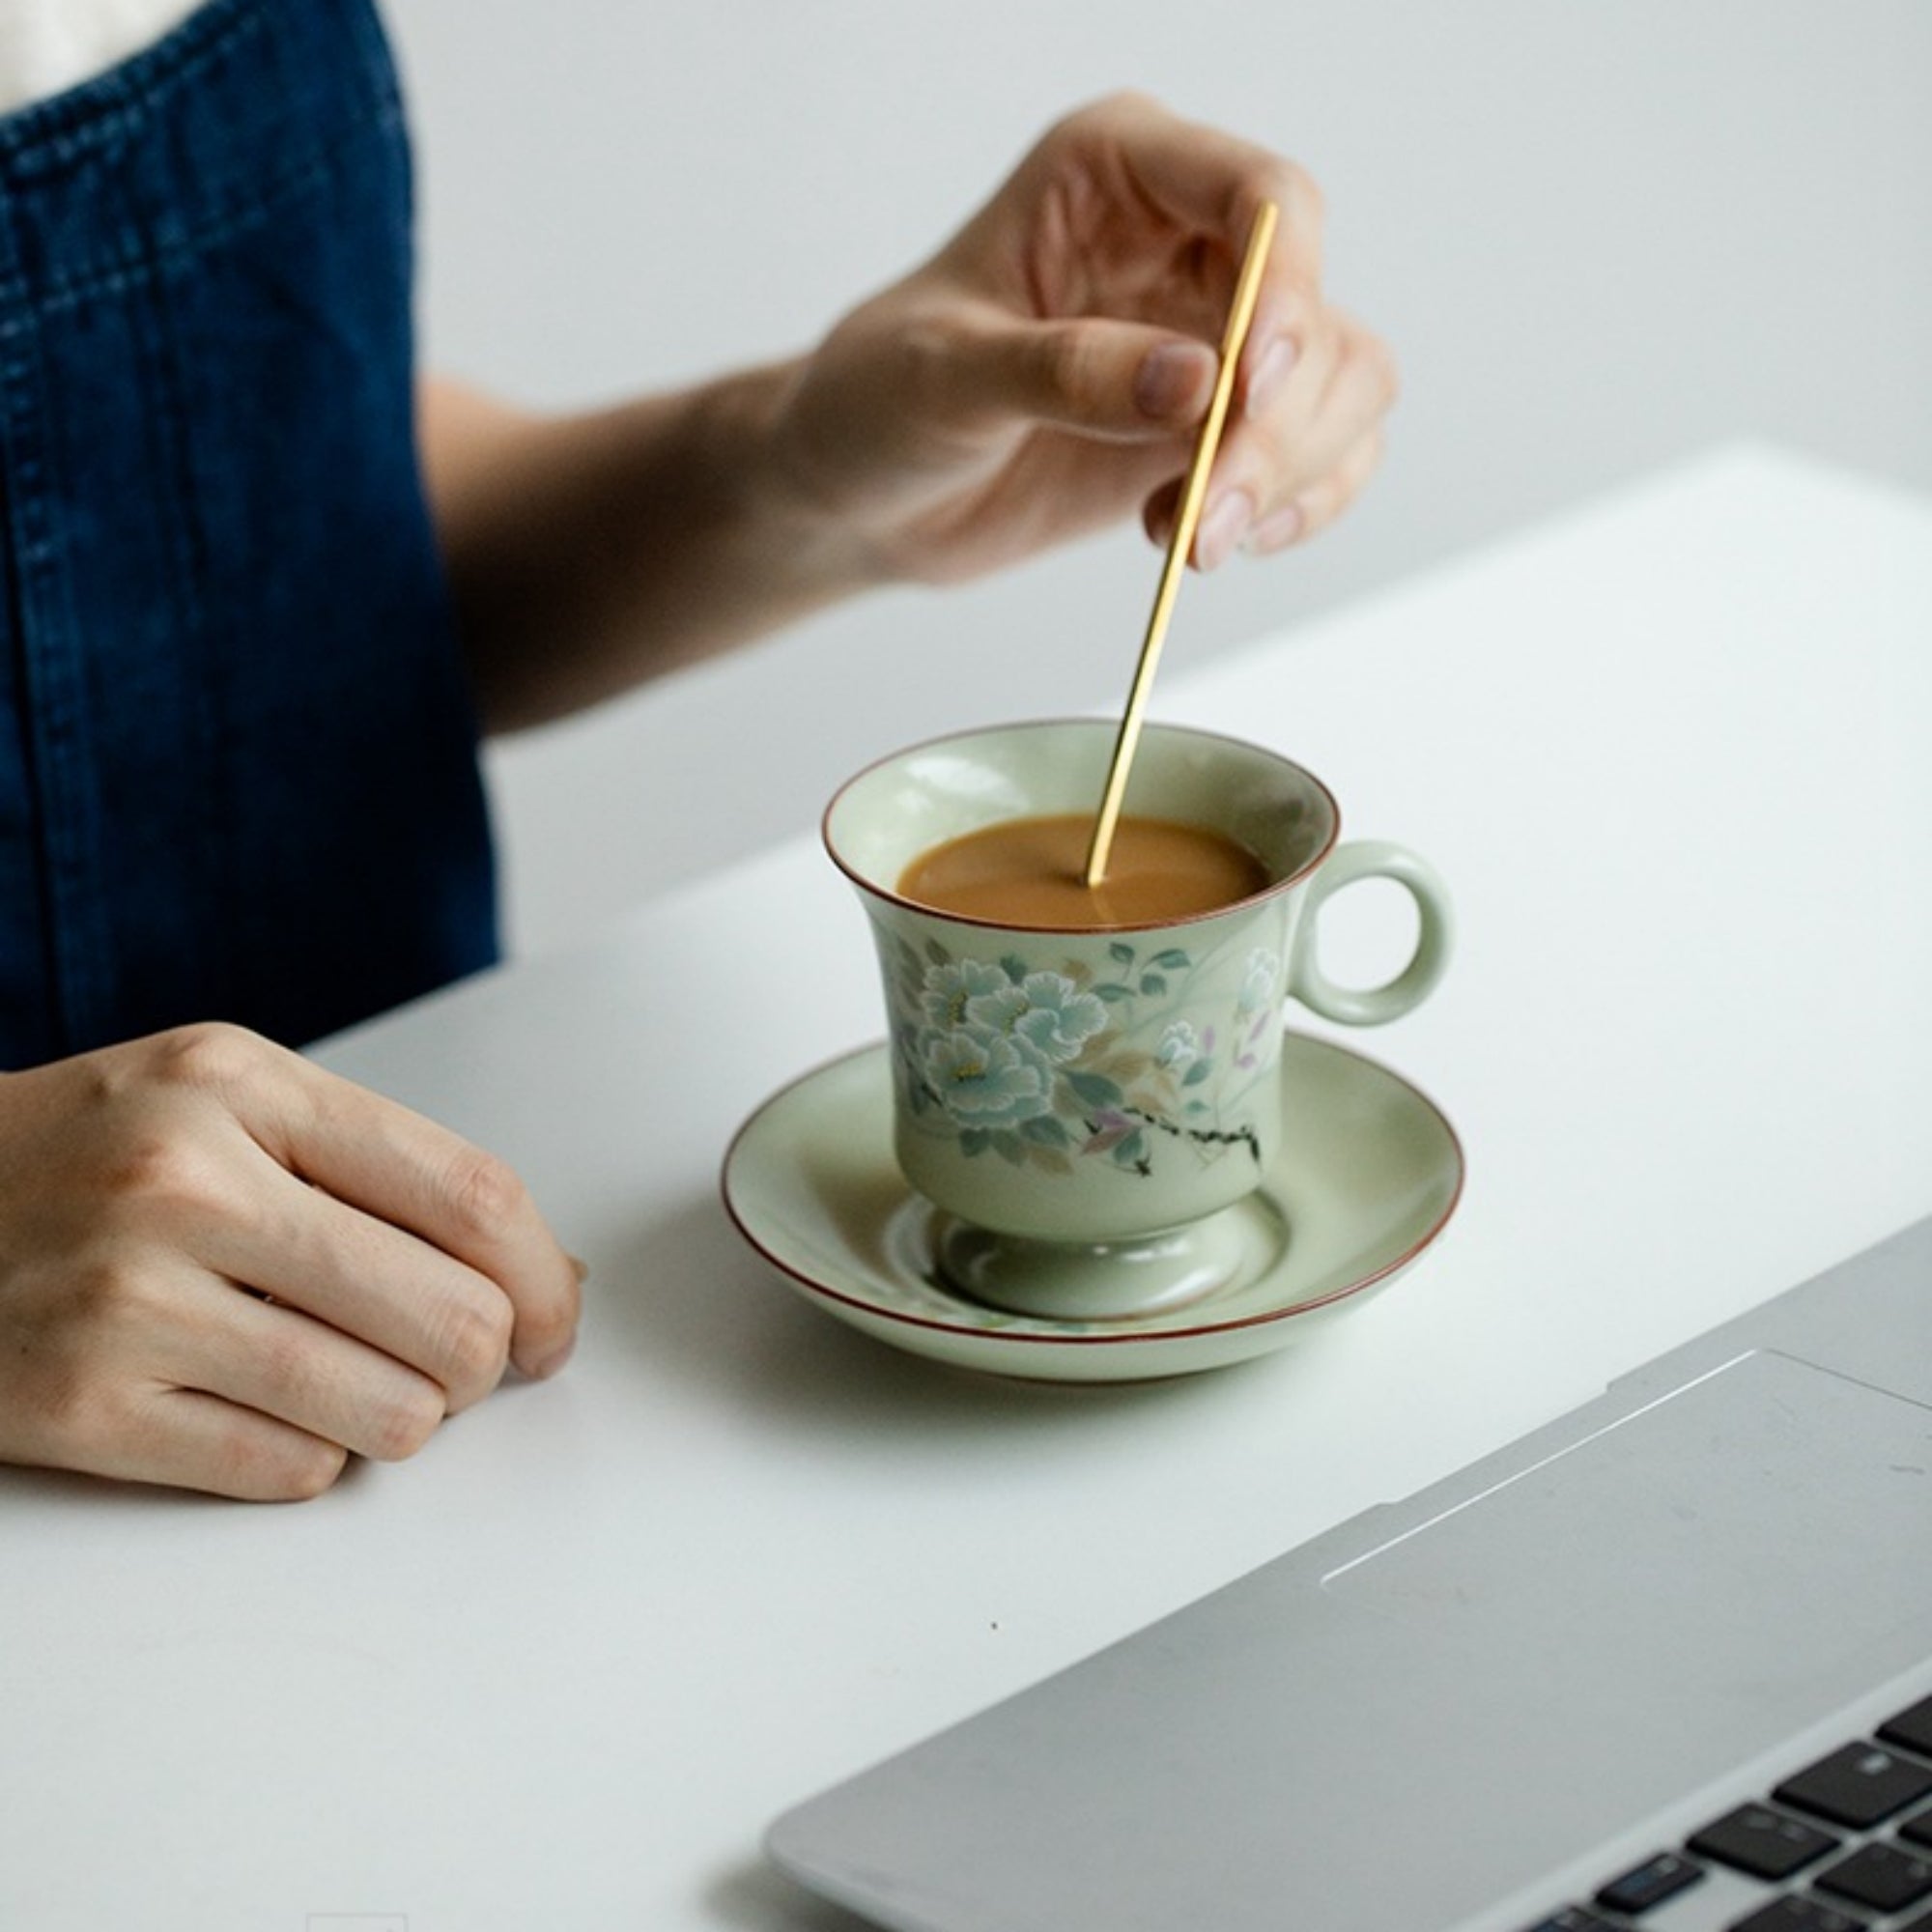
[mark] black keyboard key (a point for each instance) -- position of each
(1917, 1828)
(1857, 1785)
(1799, 1914)
(1650, 1884)
(1763, 1842)
(1912, 1728)
(1922, 1924)
(1886, 1876)
(1572, 1918)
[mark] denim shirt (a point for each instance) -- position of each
(237, 757)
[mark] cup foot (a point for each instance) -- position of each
(1098, 1281)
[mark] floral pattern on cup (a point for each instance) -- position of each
(1060, 1068)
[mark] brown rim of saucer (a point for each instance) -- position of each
(1103, 725)
(1102, 1339)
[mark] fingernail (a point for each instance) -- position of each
(582, 1266)
(1222, 528)
(1173, 381)
(1270, 373)
(1278, 531)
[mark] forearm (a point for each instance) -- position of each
(587, 552)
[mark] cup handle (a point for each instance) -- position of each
(1372, 1006)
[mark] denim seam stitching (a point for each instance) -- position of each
(63, 291)
(53, 713)
(132, 93)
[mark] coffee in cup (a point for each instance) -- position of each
(1032, 872)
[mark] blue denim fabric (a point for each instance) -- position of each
(238, 759)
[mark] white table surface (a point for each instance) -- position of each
(559, 1670)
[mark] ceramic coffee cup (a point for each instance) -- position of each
(1095, 1109)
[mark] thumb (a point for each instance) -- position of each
(1105, 379)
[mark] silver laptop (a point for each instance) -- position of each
(1665, 1664)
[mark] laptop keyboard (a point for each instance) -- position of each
(1844, 1845)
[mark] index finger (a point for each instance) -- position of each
(375, 1154)
(1214, 182)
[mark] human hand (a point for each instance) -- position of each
(224, 1269)
(1044, 373)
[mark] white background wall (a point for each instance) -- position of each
(1598, 237)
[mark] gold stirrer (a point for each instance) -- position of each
(1192, 493)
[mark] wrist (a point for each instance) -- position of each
(757, 451)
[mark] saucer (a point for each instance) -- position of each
(1368, 1174)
